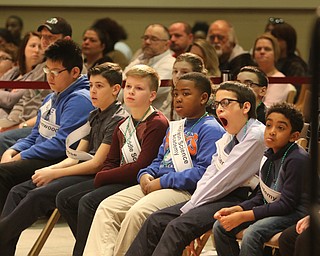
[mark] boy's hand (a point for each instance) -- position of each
(231, 221)
(303, 224)
(144, 181)
(227, 211)
(10, 155)
(43, 176)
(153, 186)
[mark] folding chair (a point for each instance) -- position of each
(39, 243)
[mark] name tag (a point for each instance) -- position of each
(180, 154)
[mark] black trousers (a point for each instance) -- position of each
(13, 173)
(167, 232)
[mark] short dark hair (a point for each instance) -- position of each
(103, 37)
(289, 111)
(244, 94)
(112, 72)
(17, 18)
(66, 51)
(201, 81)
(262, 77)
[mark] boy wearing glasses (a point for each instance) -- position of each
(258, 81)
(61, 112)
(229, 178)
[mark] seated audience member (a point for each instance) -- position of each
(257, 80)
(207, 52)
(53, 29)
(266, 53)
(113, 33)
(61, 113)
(271, 23)
(200, 30)
(135, 144)
(15, 26)
(8, 57)
(156, 54)
(185, 63)
(94, 47)
(232, 57)
(289, 63)
(5, 36)
(171, 178)
(280, 199)
(224, 183)
(181, 37)
(37, 195)
(8, 97)
(295, 240)
(21, 118)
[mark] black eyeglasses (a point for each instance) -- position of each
(250, 83)
(273, 20)
(224, 103)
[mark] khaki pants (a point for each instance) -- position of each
(119, 218)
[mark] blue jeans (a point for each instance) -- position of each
(9, 138)
(256, 234)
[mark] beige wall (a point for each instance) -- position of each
(248, 23)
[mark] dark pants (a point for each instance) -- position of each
(78, 204)
(25, 204)
(10, 137)
(13, 173)
(293, 244)
(168, 232)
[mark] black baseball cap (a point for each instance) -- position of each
(57, 25)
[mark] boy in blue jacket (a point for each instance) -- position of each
(182, 159)
(281, 198)
(63, 111)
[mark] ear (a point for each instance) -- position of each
(294, 136)
(116, 89)
(67, 37)
(153, 96)
(263, 91)
(246, 107)
(204, 98)
(75, 72)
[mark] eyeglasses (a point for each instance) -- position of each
(153, 39)
(54, 73)
(273, 20)
(224, 103)
(220, 37)
(250, 83)
(3, 58)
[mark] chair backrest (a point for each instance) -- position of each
(291, 94)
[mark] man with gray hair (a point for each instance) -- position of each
(232, 57)
(156, 54)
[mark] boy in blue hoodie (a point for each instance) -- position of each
(182, 159)
(63, 111)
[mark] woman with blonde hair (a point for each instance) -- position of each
(206, 51)
(266, 52)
